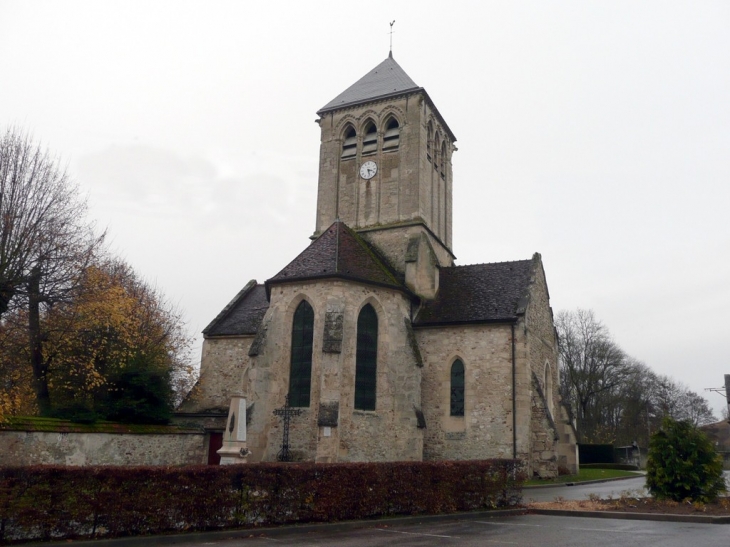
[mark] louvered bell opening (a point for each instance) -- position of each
(349, 147)
(370, 144)
(391, 139)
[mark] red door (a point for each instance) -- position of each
(215, 442)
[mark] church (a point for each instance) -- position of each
(384, 347)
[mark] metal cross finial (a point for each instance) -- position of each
(286, 412)
(391, 38)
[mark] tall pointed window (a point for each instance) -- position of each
(429, 140)
(443, 160)
(436, 150)
(370, 140)
(366, 359)
(391, 137)
(457, 388)
(349, 145)
(300, 370)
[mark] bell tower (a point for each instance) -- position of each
(385, 165)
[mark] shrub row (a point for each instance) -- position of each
(52, 502)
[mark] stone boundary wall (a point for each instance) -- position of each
(74, 448)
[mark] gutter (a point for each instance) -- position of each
(514, 400)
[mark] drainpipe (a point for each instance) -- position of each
(514, 395)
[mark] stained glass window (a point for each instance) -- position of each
(366, 359)
(457, 388)
(300, 371)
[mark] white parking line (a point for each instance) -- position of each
(415, 533)
(507, 524)
(609, 530)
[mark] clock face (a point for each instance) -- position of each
(368, 170)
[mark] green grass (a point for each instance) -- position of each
(585, 475)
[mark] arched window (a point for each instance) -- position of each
(548, 386)
(457, 388)
(370, 140)
(349, 145)
(429, 140)
(391, 137)
(436, 150)
(366, 360)
(300, 370)
(443, 160)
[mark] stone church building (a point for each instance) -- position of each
(389, 350)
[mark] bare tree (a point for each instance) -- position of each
(592, 365)
(45, 240)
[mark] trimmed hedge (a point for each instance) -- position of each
(53, 502)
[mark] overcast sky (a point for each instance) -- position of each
(595, 133)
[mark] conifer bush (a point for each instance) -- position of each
(683, 464)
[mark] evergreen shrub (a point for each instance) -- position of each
(683, 464)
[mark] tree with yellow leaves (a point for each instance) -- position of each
(113, 350)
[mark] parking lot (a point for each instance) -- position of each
(522, 530)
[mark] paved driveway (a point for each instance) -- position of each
(526, 530)
(605, 490)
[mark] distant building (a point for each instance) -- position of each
(391, 351)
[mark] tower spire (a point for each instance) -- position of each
(390, 53)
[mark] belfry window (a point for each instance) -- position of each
(300, 370)
(436, 159)
(349, 145)
(391, 137)
(429, 140)
(457, 388)
(443, 160)
(366, 359)
(370, 140)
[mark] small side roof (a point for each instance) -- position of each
(243, 314)
(479, 293)
(340, 252)
(386, 79)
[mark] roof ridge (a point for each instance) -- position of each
(490, 263)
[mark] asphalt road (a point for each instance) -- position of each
(605, 490)
(525, 530)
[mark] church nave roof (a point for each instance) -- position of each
(479, 293)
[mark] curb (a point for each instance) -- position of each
(278, 531)
(659, 517)
(580, 483)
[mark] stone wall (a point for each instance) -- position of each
(222, 366)
(74, 448)
(547, 421)
(386, 434)
(485, 430)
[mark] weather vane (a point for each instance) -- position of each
(391, 36)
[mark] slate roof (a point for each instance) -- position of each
(243, 314)
(479, 293)
(340, 252)
(385, 80)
